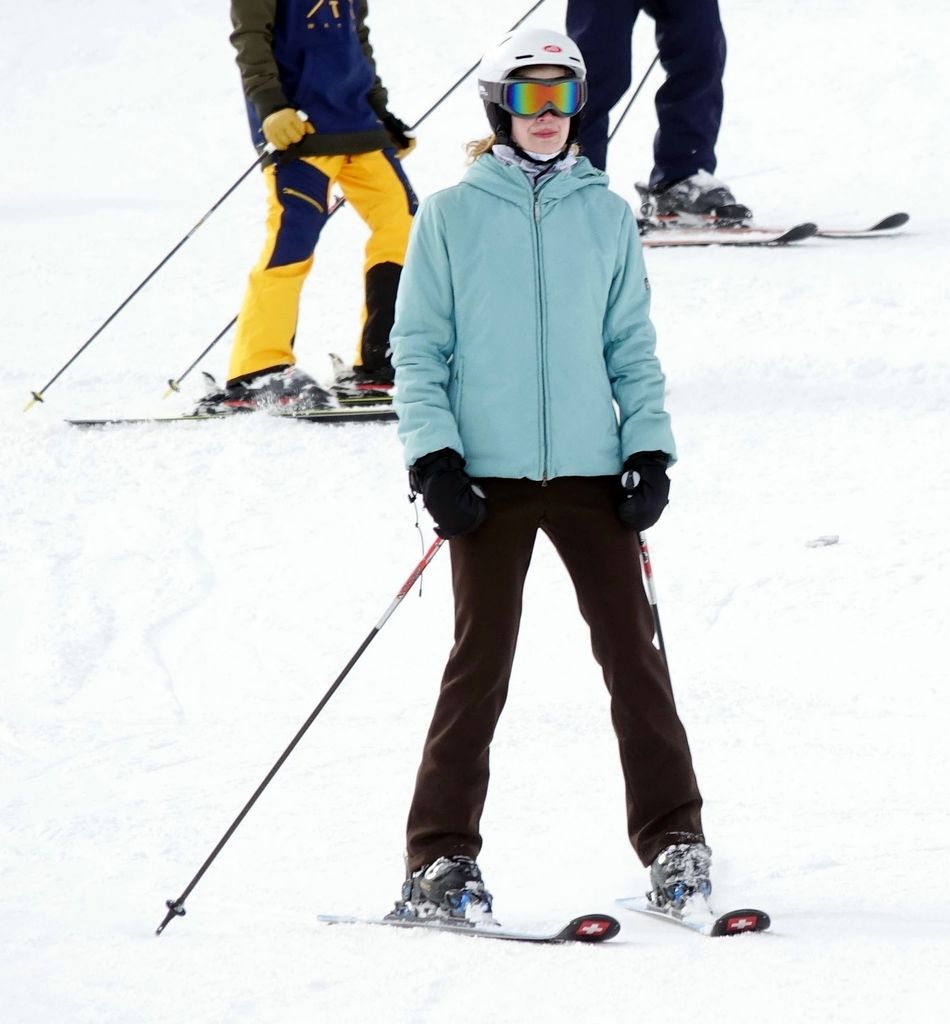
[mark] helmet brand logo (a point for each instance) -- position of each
(551, 48)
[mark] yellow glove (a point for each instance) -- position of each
(283, 128)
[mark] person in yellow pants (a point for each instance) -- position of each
(312, 93)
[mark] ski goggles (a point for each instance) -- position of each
(526, 97)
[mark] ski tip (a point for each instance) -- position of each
(796, 234)
(738, 921)
(896, 220)
(590, 928)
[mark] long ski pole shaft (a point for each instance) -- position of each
(176, 908)
(651, 591)
(38, 395)
(173, 385)
(636, 93)
(448, 92)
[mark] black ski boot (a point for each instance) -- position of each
(355, 384)
(287, 389)
(698, 200)
(679, 874)
(449, 888)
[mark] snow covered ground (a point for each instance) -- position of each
(175, 601)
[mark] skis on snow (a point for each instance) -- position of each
(700, 917)
(589, 928)
(670, 237)
(665, 235)
(349, 414)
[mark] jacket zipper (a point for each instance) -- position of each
(541, 342)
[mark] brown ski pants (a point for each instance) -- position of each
(489, 567)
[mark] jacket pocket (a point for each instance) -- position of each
(455, 389)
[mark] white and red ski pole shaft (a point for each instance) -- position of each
(651, 592)
(176, 908)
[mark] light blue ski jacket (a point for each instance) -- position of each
(522, 318)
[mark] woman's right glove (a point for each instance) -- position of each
(454, 502)
(646, 489)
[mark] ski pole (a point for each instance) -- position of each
(176, 908)
(651, 590)
(174, 385)
(636, 93)
(448, 92)
(38, 395)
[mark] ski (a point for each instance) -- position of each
(667, 235)
(878, 230)
(325, 416)
(672, 237)
(359, 401)
(881, 229)
(701, 918)
(589, 928)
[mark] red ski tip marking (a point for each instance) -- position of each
(738, 921)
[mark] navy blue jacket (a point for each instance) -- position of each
(315, 56)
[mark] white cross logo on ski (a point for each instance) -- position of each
(592, 928)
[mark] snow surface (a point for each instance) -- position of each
(175, 601)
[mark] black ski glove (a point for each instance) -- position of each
(400, 133)
(454, 502)
(646, 489)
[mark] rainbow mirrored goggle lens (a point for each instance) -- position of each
(525, 97)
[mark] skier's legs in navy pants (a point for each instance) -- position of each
(603, 29)
(692, 49)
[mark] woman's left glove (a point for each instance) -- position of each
(646, 489)
(454, 502)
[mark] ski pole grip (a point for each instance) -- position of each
(270, 147)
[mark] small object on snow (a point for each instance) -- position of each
(824, 541)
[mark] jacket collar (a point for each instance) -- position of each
(509, 182)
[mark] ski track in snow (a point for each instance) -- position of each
(176, 600)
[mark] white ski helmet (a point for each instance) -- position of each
(525, 48)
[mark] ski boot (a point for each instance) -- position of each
(287, 389)
(680, 876)
(698, 201)
(354, 385)
(450, 888)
